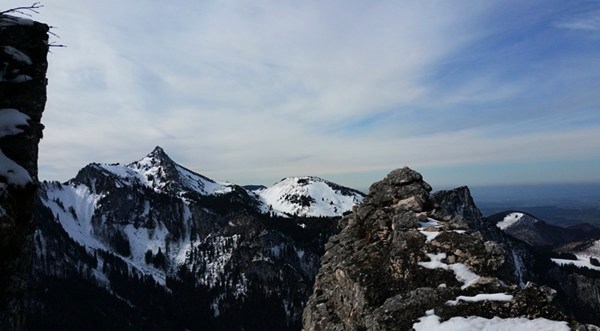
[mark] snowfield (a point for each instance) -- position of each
(509, 220)
(308, 197)
(583, 257)
(582, 261)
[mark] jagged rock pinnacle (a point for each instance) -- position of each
(402, 187)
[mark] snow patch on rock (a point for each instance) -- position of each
(10, 120)
(481, 297)
(432, 322)
(461, 272)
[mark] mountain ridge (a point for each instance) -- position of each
(153, 230)
(287, 197)
(139, 233)
(536, 232)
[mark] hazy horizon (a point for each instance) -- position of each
(522, 192)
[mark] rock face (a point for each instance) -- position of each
(405, 256)
(23, 50)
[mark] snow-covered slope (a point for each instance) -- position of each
(592, 250)
(587, 254)
(510, 220)
(309, 197)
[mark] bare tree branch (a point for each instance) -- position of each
(24, 10)
(56, 45)
(27, 10)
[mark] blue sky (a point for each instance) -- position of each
(466, 92)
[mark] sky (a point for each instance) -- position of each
(465, 92)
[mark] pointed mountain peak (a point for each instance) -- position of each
(156, 158)
(160, 172)
(156, 162)
(158, 153)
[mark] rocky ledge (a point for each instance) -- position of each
(406, 259)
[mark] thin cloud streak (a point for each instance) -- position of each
(589, 21)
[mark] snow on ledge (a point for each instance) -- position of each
(13, 172)
(10, 120)
(9, 20)
(429, 235)
(431, 322)
(481, 297)
(430, 222)
(461, 272)
(580, 263)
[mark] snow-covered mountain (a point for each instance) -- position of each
(309, 196)
(152, 226)
(158, 172)
(306, 196)
(154, 244)
(177, 250)
(536, 232)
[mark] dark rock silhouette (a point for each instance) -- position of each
(23, 64)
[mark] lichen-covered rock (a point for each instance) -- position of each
(403, 253)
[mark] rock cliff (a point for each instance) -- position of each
(406, 259)
(23, 50)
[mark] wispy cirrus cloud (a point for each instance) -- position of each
(254, 91)
(589, 21)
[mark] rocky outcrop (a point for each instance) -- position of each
(581, 291)
(405, 256)
(23, 50)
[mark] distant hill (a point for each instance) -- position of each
(536, 232)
